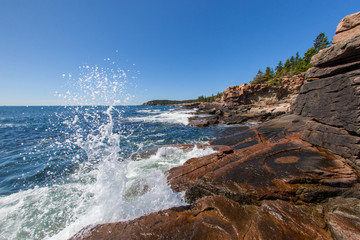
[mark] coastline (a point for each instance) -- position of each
(296, 175)
(259, 179)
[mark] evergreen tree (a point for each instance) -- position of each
(300, 67)
(279, 68)
(293, 65)
(297, 58)
(308, 55)
(287, 67)
(321, 42)
(269, 73)
(259, 78)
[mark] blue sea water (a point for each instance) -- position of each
(64, 168)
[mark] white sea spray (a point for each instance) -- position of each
(103, 185)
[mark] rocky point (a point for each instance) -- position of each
(293, 177)
(249, 102)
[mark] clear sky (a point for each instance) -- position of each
(174, 49)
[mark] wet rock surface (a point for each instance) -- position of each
(343, 217)
(218, 217)
(267, 162)
(263, 183)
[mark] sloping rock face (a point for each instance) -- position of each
(268, 162)
(330, 96)
(261, 94)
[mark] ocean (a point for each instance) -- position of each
(65, 168)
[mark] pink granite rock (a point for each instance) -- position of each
(348, 28)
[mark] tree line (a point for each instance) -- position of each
(293, 65)
(212, 98)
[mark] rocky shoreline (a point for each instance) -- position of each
(247, 103)
(294, 176)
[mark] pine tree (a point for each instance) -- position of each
(269, 73)
(308, 55)
(287, 67)
(293, 65)
(259, 78)
(300, 67)
(321, 42)
(279, 68)
(297, 58)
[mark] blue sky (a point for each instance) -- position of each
(173, 49)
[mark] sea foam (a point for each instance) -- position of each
(174, 117)
(99, 183)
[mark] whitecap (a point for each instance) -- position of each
(174, 117)
(12, 125)
(151, 111)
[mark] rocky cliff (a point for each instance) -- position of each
(293, 177)
(330, 96)
(262, 94)
(250, 102)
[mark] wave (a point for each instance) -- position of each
(174, 117)
(12, 125)
(85, 149)
(151, 111)
(102, 189)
